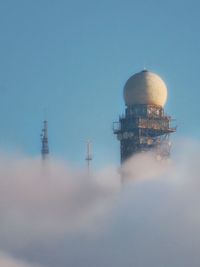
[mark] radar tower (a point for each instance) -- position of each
(144, 126)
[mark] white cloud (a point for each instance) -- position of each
(58, 216)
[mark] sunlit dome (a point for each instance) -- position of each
(145, 87)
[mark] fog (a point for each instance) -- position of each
(56, 215)
(8, 261)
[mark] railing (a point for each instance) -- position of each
(161, 125)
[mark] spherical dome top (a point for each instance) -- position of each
(146, 88)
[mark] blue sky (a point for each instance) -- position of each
(73, 57)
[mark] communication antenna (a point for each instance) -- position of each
(44, 140)
(89, 155)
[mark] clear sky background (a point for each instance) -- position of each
(73, 58)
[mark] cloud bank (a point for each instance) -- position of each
(56, 215)
(49, 199)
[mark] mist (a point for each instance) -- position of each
(54, 214)
(8, 261)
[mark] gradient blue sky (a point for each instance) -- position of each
(73, 58)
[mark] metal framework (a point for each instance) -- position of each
(143, 128)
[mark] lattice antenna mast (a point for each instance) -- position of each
(44, 140)
(89, 156)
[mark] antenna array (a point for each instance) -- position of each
(44, 140)
(89, 155)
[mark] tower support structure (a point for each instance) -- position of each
(144, 127)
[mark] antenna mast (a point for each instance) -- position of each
(89, 155)
(44, 140)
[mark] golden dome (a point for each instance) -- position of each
(145, 88)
